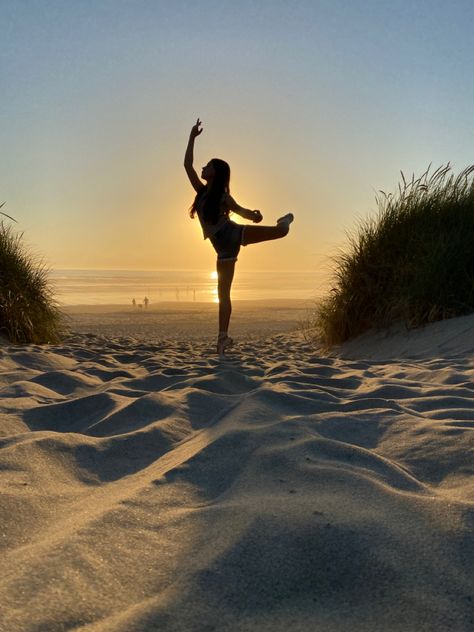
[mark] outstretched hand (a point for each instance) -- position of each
(195, 131)
(257, 217)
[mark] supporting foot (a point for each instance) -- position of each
(223, 343)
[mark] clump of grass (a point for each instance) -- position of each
(413, 262)
(28, 311)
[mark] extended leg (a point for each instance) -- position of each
(255, 234)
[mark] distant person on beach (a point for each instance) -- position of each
(212, 205)
(134, 302)
(146, 300)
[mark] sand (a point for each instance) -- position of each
(148, 485)
(189, 321)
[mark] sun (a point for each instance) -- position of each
(213, 275)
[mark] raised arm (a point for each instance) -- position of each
(188, 157)
(246, 213)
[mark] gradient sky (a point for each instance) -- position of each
(315, 104)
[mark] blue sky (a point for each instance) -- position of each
(315, 105)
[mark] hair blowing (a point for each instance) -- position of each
(213, 194)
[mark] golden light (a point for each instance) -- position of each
(214, 275)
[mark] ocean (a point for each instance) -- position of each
(121, 287)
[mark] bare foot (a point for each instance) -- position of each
(223, 343)
(288, 218)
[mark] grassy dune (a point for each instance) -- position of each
(412, 262)
(28, 311)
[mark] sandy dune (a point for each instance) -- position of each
(148, 485)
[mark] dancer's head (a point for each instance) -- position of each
(208, 172)
(216, 173)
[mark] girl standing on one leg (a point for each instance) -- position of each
(212, 205)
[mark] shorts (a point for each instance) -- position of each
(227, 241)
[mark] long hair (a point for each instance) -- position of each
(213, 194)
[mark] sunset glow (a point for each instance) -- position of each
(315, 105)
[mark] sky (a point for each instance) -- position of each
(315, 104)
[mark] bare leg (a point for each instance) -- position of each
(225, 275)
(256, 234)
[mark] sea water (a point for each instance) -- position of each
(121, 287)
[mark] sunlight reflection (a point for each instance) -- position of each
(213, 275)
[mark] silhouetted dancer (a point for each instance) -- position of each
(212, 205)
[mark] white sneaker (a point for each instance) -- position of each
(288, 218)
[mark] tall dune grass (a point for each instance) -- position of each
(28, 311)
(413, 262)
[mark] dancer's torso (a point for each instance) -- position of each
(209, 229)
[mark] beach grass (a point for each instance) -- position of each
(28, 310)
(413, 262)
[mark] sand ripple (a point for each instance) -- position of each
(150, 486)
